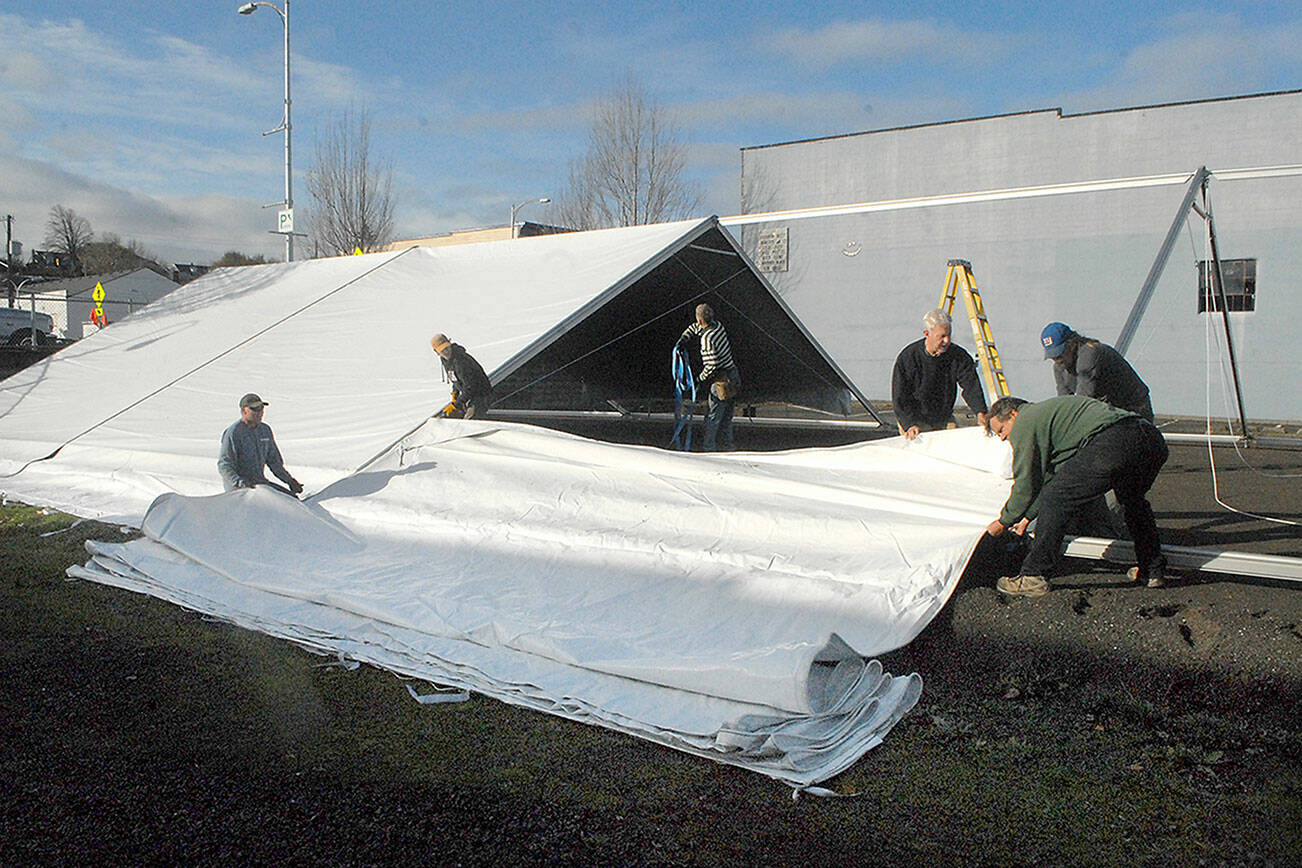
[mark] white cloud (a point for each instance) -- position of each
(809, 115)
(883, 40)
(177, 228)
(199, 65)
(1198, 58)
(136, 134)
(22, 69)
(572, 116)
(60, 68)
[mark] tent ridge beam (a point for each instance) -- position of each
(732, 253)
(1254, 173)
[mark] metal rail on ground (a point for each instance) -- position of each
(1235, 440)
(868, 425)
(668, 418)
(1249, 564)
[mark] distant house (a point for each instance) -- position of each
(185, 272)
(69, 301)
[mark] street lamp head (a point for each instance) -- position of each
(248, 9)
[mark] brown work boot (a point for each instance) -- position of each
(1023, 586)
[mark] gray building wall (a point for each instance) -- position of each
(862, 281)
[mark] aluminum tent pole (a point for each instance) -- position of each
(1159, 264)
(1218, 285)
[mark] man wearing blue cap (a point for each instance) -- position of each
(1089, 367)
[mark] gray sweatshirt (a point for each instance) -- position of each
(244, 452)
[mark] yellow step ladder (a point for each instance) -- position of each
(958, 278)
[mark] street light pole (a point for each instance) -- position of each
(543, 201)
(288, 232)
(9, 258)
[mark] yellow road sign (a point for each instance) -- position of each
(98, 293)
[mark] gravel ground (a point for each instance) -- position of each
(1101, 724)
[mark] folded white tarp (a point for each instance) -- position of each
(719, 604)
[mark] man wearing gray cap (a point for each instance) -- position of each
(247, 447)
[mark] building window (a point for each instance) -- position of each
(1240, 276)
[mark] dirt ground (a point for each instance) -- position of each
(1102, 724)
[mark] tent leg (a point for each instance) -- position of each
(1159, 264)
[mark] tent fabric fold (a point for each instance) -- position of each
(724, 605)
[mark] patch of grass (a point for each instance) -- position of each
(135, 727)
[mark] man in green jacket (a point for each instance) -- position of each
(1066, 452)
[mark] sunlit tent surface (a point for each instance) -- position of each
(340, 349)
(719, 604)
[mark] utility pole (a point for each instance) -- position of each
(9, 257)
(286, 217)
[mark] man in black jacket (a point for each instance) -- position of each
(472, 392)
(926, 377)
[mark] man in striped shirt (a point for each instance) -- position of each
(719, 372)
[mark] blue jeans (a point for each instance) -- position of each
(1124, 457)
(718, 416)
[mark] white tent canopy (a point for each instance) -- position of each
(340, 349)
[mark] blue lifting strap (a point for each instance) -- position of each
(684, 385)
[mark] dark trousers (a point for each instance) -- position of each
(1124, 457)
(718, 417)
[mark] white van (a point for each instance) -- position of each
(16, 327)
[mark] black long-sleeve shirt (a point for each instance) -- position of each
(1103, 373)
(469, 382)
(923, 386)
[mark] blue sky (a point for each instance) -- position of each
(146, 117)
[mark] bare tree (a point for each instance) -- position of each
(632, 172)
(68, 232)
(352, 196)
(110, 254)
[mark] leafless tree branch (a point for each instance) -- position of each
(68, 232)
(632, 171)
(352, 195)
